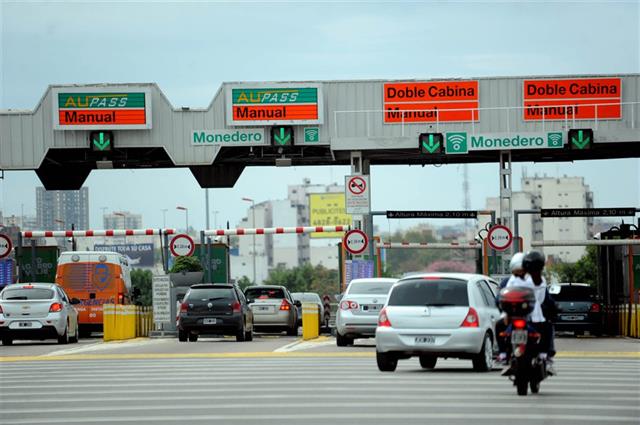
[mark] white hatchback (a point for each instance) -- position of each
(37, 311)
(438, 315)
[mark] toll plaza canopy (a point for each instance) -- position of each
(77, 128)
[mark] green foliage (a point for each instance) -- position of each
(306, 278)
(186, 264)
(142, 280)
(243, 282)
(583, 271)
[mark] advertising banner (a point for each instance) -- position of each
(141, 255)
(328, 209)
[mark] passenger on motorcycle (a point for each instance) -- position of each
(517, 273)
(533, 264)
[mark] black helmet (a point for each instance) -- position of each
(533, 261)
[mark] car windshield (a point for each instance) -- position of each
(574, 293)
(369, 287)
(27, 294)
(264, 293)
(211, 294)
(298, 296)
(423, 292)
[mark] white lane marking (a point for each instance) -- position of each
(105, 346)
(299, 417)
(304, 345)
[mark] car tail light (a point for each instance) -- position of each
(184, 307)
(471, 320)
(1, 310)
(519, 323)
(431, 278)
(120, 298)
(348, 305)
(595, 308)
(284, 306)
(55, 307)
(383, 319)
(27, 287)
(236, 307)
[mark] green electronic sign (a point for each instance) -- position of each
(101, 141)
(282, 136)
(580, 139)
(431, 143)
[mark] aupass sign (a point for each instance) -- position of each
(274, 103)
(569, 99)
(104, 108)
(462, 142)
(431, 101)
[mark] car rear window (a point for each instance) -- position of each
(27, 294)
(211, 294)
(305, 297)
(369, 287)
(420, 292)
(574, 293)
(264, 293)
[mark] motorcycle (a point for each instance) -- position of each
(526, 369)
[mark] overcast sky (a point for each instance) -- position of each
(190, 48)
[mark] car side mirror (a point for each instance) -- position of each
(298, 304)
(250, 300)
(74, 301)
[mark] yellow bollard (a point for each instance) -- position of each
(108, 322)
(310, 321)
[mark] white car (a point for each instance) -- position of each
(359, 307)
(438, 315)
(37, 311)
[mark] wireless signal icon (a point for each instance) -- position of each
(311, 134)
(554, 140)
(457, 143)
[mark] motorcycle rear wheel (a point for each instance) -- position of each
(522, 385)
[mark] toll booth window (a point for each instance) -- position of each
(264, 293)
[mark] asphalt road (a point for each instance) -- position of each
(310, 390)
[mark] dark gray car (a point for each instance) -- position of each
(215, 309)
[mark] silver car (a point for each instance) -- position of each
(438, 315)
(273, 308)
(37, 311)
(359, 307)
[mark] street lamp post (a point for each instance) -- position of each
(253, 219)
(186, 211)
(124, 223)
(164, 218)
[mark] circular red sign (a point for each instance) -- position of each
(5, 246)
(355, 241)
(182, 246)
(357, 185)
(500, 237)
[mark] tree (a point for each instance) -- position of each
(142, 280)
(306, 278)
(585, 270)
(243, 282)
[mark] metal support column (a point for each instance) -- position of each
(505, 188)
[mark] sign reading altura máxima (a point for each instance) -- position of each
(274, 103)
(106, 108)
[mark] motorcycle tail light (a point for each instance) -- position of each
(519, 323)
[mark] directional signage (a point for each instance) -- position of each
(462, 142)
(580, 139)
(274, 103)
(282, 136)
(357, 195)
(5, 246)
(431, 143)
(432, 214)
(355, 242)
(432, 101)
(101, 141)
(84, 108)
(499, 237)
(182, 245)
(222, 137)
(587, 212)
(569, 99)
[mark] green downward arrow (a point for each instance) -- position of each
(101, 144)
(282, 139)
(432, 146)
(581, 142)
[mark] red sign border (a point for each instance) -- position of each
(349, 185)
(494, 228)
(8, 239)
(182, 236)
(346, 245)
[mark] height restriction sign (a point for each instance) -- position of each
(358, 195)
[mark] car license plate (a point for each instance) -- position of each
(263, 308)
(572, 318)
(25, 324)
(519, 337)
(210, 321)
(426, 339)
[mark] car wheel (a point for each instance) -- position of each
(240, 334)
(483, 361)
(343, 341)
(578, 333)
(248, 336)
(428, 361)
(293, 331)
(74, 338)
(7, 340)
(193, 337)
(64, 338)
(387, 362)
(182, 335)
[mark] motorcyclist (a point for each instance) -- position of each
(517, 273)
(533, 264)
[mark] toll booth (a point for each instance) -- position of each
(619, 281)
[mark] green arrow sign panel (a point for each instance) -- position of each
(101, 141)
